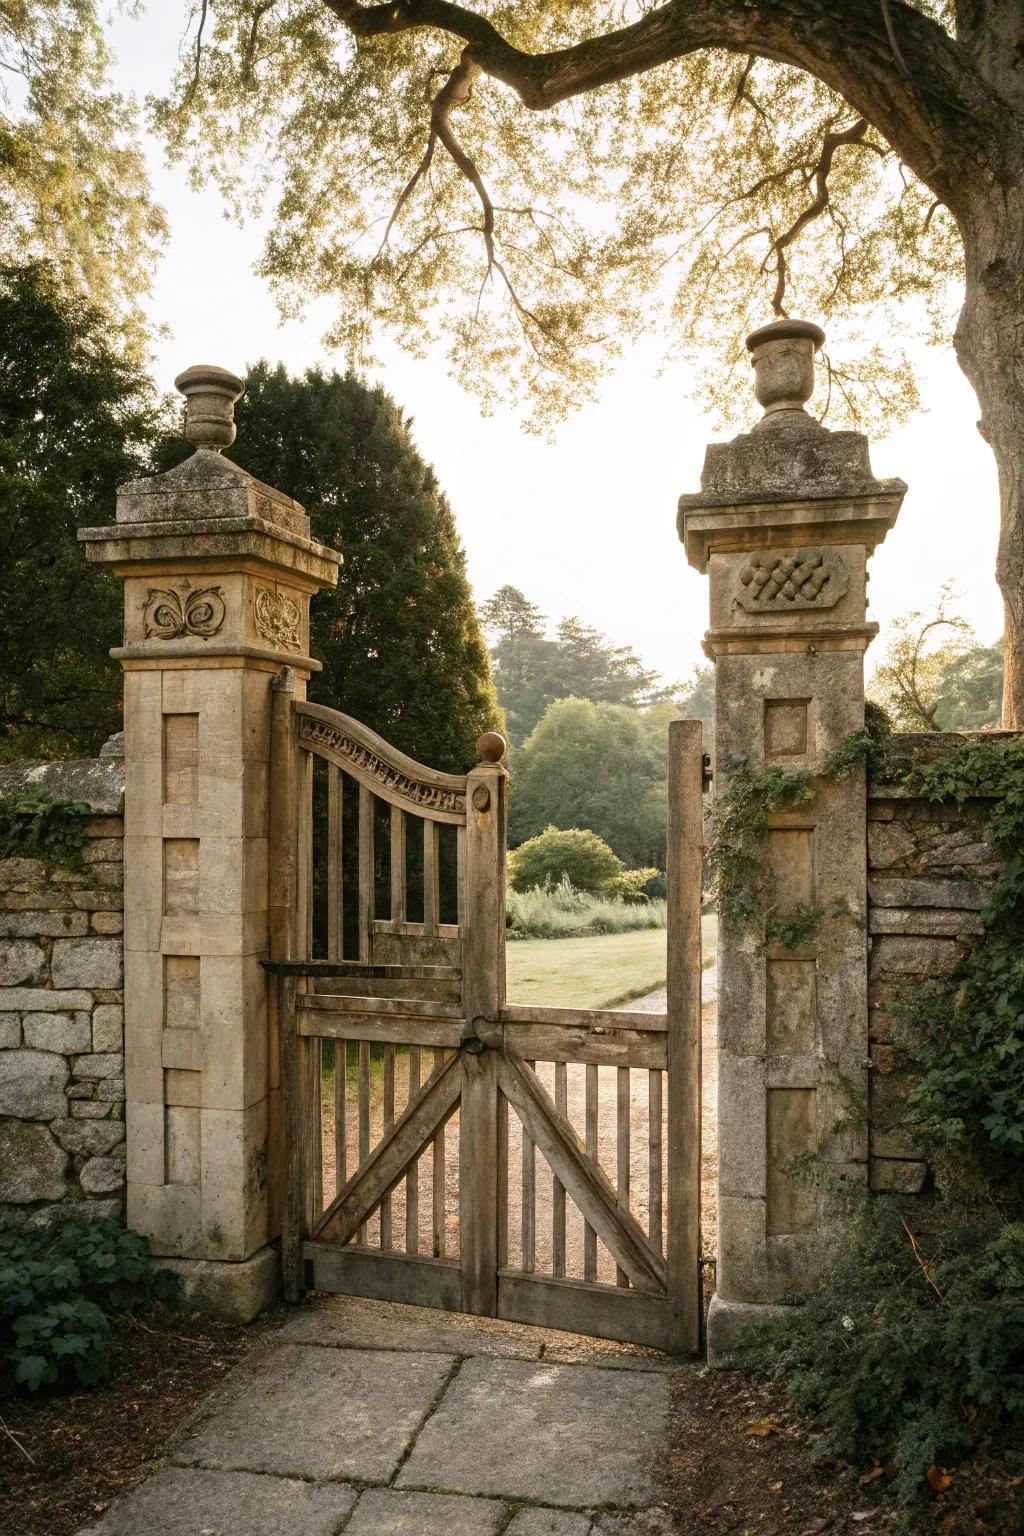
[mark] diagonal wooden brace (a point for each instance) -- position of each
(432, 1108)
(585, 1181)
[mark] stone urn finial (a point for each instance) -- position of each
(783, 357)
(210, 395)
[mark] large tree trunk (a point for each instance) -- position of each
(990, 347)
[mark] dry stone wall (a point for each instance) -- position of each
(62, 1126)
(930, 872)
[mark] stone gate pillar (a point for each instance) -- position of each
(218, 571)
(785, 519)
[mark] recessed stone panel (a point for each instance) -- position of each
(181, 876)
(791, 998)
(181, 759)
(791, 858)
(182, 1143)
(792, 1132)
(181, 992)
(785, 727)
(183, 1087)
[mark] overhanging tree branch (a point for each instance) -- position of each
(929, 99)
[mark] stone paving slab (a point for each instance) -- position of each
(383, 1512)
(549, 1522)
(354, 1322)
(189, 1501)
(319, 1413)
(570, 1435)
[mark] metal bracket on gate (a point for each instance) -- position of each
(479, 1034)
(469, 1039)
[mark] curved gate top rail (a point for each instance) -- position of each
(378, 765)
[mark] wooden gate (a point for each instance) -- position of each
(442, 1146)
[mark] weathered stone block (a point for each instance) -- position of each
(19, 874)
(887, 1176)
(64, 1032)
(107, 922)
(89, 1109)
(108, 1027)
(21, 963)
(32, 1165)
(87, 963)
(103, 850)
(100, 1064)
(897, 956)
(102, 1175)
(925, 922)
(88, 1138)
(889, 843)
(111, 1090)
(10, 1031)
(41, 1000)
(969, 895)
(726, 1320)
(43, 925)
(32, 1085)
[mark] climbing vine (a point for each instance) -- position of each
(742, 880)
(35, 825)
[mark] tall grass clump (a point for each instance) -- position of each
(561, 912)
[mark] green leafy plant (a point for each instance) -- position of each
(560, 912)
(969, 1101)
(58, 1286)
(35, 825)
(910, 1349)
(578, 856)
(742, 883)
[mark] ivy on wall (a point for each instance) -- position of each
(743, 884)
(35, 825)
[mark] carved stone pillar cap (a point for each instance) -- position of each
(210, 395)
(783, 357)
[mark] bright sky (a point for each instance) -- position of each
(585, 525)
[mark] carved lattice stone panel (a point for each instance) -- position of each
(774, 581)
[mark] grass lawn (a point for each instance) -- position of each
(598, 972)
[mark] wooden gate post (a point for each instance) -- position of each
(783, 524)
(483, 969)
(685, 858)
(218, 573)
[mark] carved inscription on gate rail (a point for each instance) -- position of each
(431, 797)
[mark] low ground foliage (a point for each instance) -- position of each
(59, 1286)
(34, 825)
(561, 912)
(910, 1351)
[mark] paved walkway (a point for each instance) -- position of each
(381, 1420)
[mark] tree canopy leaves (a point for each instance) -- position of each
(677, 192)
(531, 669)
(398, 636)
(76, 420)
(73, 183)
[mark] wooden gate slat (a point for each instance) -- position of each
(412, 1177)
(684, 859)
(586, 1182)
(622, 1150)
(589, 1235)
(379, 1173)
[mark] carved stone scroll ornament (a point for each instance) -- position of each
(171, 615)
(774, 581)
(429, 797)
(277, 619)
